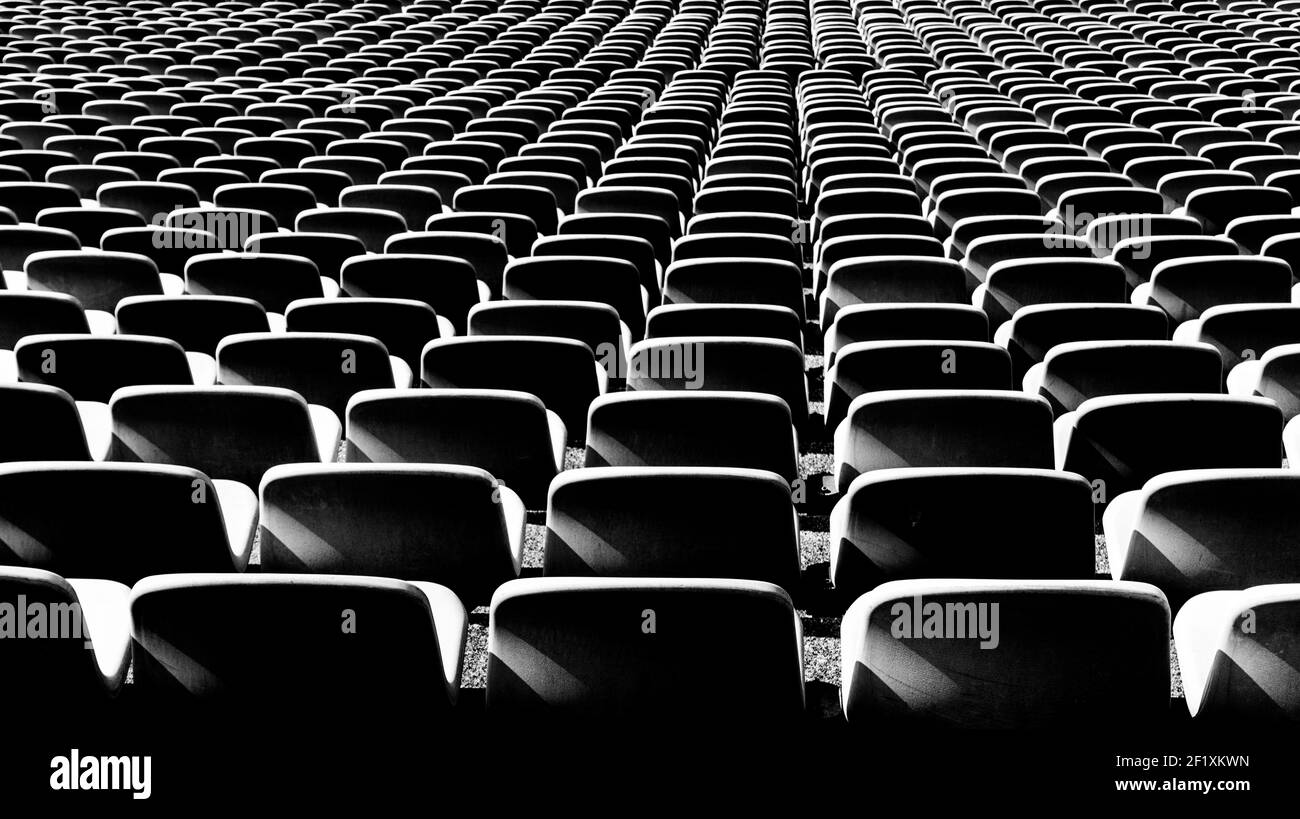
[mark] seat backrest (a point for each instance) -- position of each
(403, 326)
(91, 367)
(561, 372)
(42, 425)
(1078, 370)
(228, 432)
(324, 368)
(1124, 441)
(439, 523)
(32, 313)
(125, 522)
(629, 653)
(291, 634)
(727, 522)
(57, 671)
(896, 524)
(197, 323)
(998, 654)
(1236, 650)
(98, 280)
(907, 428)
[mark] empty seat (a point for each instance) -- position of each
(169, 248)
(371, 225)
(723, 363)
(455, 524)
(41, 424)
(328, 251)
(891, 279)
(593, 323)
(692, 428)
(902, 428)
(295, 630)
(1236, 653)
(403, 326)
(888, 322)
(227, 432)
(130, 520)
(92, 367)
(1185, 288)
(149, 199)
(611, 281)
(1215, 207)
(896, 524)
(869, 366)
(273, 280)
(25, 313)
(759, 320)
(735, 280)
(509, 434)
(1067, 652)
(628, 654)
(197, 323)
(1205, 530)
(1015, 283)
(326, 369)
(1244, 333)
(609, 522)
(1075, 371)
(17, 242)
(98, 280)
(563, 373)
(1120, 442)
(84, 660)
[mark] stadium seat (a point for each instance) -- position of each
(925, 428)
(1120, 442)
(726, 522)
(628, 654)
(1236, 654)
(563, 373)
(895, 524)
(294, 629)
(87, 653)
(227, 432)
(509, 434)
(1204, 530)
(869, 366)
(1005, 654)
(455, 524)
(131, 520)
(1075, 371)
(324, 368)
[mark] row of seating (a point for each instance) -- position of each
(1187, 532)
(975, 654)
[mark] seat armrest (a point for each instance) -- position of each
(401, 372)
(1118, 523)
(559, 438)
(1244, 378)
(328, 432)
(445, 328)
(1062, 430)
(106, 626)
(102, 323)
(451, 624)
(516, 515)
(1202, 626)
(97, 423)
(203, 369)
(239, 513)
(172, 285)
